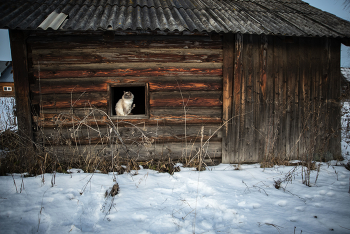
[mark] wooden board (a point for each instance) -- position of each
(83, 135)
(100, 84)
(139, 152)
(22, 84)
(284, 101)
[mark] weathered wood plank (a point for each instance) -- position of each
(248, 142)
(160, 71)
(139, 152)
(98, 99)
(264, 129)
(278, 73)
(158, 116)
(333, 98)
(123, 66)
(228, 63)
(186, 85)
(21, 83)
(76, 42)
(83, 135)
(291, 106)
(236, 130)
(125, 55)
(100, 84)
(189, 99)
(204, 113)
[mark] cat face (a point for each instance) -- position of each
(128, 95)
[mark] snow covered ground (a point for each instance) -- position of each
(7, 118)
(221, 199)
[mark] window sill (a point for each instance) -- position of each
(114, 117)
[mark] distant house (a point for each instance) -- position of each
(261, 77)
(6, 80)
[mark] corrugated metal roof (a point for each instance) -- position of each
(270, 17)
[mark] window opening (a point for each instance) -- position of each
(140, 100)
(6, 88)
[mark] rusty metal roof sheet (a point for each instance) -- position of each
(270, 17)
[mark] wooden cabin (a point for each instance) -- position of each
(7, 88)
(234, 81)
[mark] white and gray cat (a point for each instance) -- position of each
(124, 105)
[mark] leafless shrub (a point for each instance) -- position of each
(311, 144)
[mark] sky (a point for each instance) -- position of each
(335, 7)
(5, 52)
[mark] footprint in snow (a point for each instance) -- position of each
(330, 194)
(300, 208)
(322, 192)
(281, 203)
(256, 205)
(317, 205)
(139, 217)
(343, 183)
(293, 219)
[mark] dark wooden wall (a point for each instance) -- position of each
(277, 97)
(73, 73)
(281, 98)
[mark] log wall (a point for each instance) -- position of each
(72, 78)
(281, 98)
(277, 97)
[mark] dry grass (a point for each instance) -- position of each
(16, 157)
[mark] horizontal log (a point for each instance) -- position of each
(156, 113)
(189, 99)
(118, 51)
(139, 152)
(71, 100)
(158, 99)
(129, 134)
(169, 71)
(123, 66)
(166, 139)
(68, 122)
(100, 84)
(75, 42)
(51, 118)
(125, 55)
(186, 85)
(189, 113)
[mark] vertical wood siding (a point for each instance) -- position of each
(285, 99)
(72, 74)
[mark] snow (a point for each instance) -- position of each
(346, 72)
(222, 199)
(7, 118)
